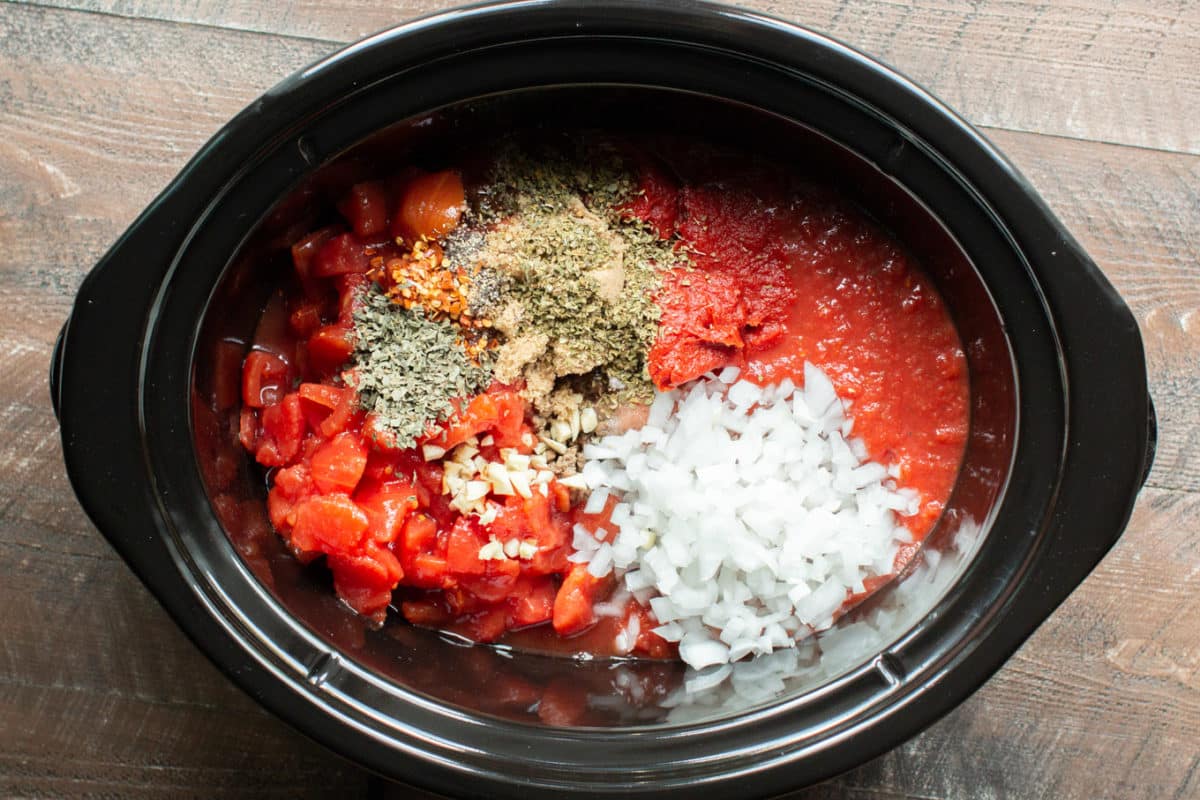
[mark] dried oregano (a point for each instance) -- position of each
(582, 274)
(409, 367)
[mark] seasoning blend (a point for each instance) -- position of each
(550, 283)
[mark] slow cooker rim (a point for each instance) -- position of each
(867, 672)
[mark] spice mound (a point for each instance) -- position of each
(408, 366)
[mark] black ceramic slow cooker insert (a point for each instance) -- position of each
(1061, 431)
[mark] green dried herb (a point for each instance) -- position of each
(410, 367)
(559, 236)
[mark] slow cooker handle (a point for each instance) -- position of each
(1151, 438)
(56, 366)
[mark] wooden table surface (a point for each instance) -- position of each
(102, 102)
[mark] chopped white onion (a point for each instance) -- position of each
(745, 512)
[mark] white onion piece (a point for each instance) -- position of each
(745, 512)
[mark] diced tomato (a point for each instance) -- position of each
(500, 412)
(328, 409)
(329, 523)
(424, 566)
(511, 521)
(542, 525)
(431, 206)
(338, 464)
(479, 415)
(648, 643)
(304, 319)
(290, 486)
(349, 293)
(330, 347)
(573, 603)
(533, 601)
(384, 466)
(271, 334)
(497, 582)
(429, 476)
(303, 254)
(426, 571)
(486, 626)
(563, 703)
(419, 535)
(509, 429)
(387, 559)
(427, 613)
(282, 432)
(387, 506)
(340, 255)
(366, 209)
(382, 438)
(363, 582)
(561, 497)
(265, 379)
(248, 428)
(462, 548)
(549, 560)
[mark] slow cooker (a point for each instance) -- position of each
(1062, 428)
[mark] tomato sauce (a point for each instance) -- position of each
(781, 279)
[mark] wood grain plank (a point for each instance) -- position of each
(1103, 700)
(118, 747)
(1104, 70)
(1137, 213)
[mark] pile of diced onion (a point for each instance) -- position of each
(747, 515)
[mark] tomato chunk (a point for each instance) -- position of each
(500, 412)
(388, 507)
(330, 347)
(328, 409)
(305, 319)
(486, 626)
(305, 251)
(533, 601)
(282, 432)
(329, 523)
(337, 465)
(365, 582)
(462, 548)
(265, 379)
(427, 613)
(340, 255)
(431, 206)
(291, 486)
(573, 603)
(248, 428)
(424, 566)
(365, 207)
